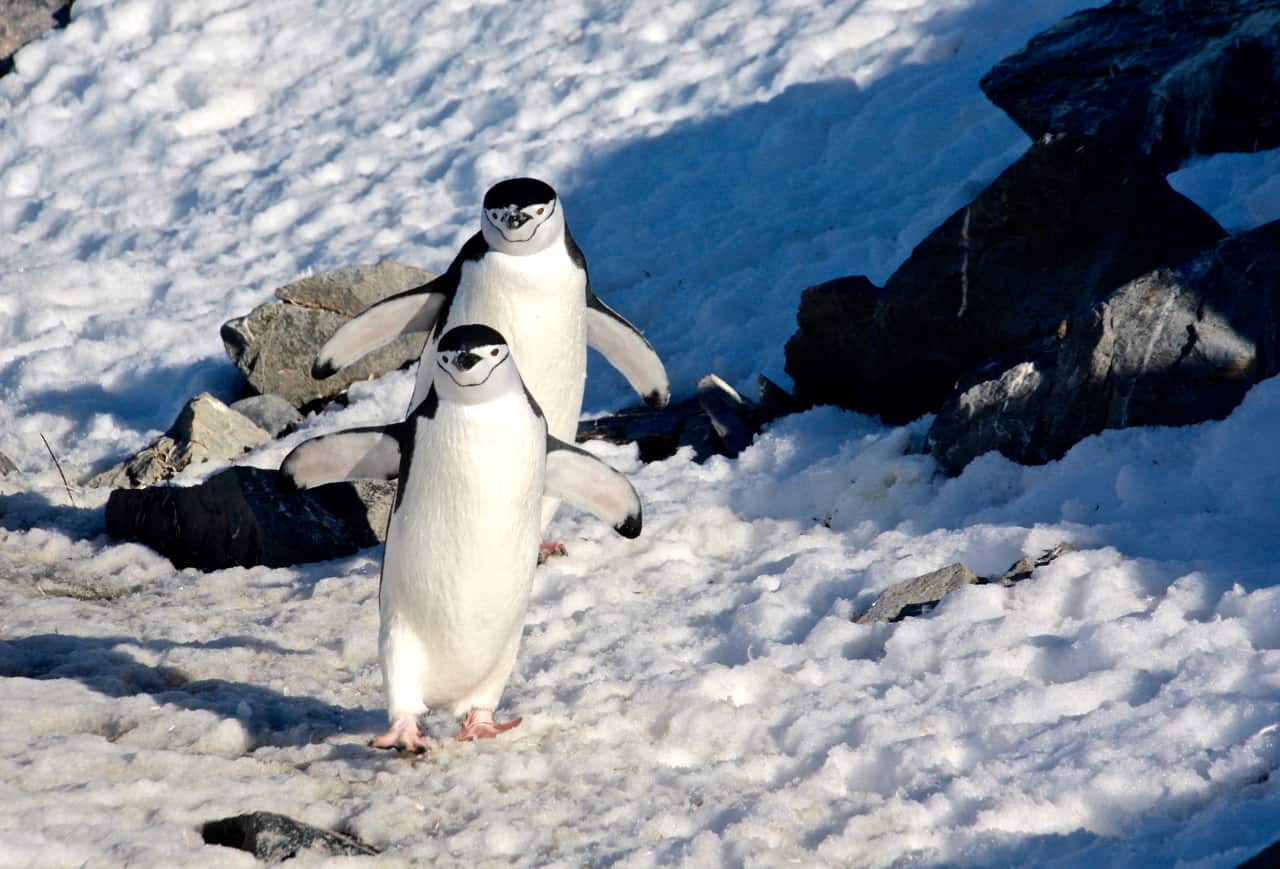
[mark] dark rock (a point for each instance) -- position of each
(915, 596)
(241, 517)
(271, 413)
(718, 422)
(1060, 228)
(275, 344)
(1024, 567)
(1175, 346)
(6, 465)
(1267, 858)
(825, 357)
(275, 838)
(205, 429)
(23, 21)
(1163, 78)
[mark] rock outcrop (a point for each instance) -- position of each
(22, 21)
(274, 838)
(276, 343)
(1165, 79)
(1178, 345)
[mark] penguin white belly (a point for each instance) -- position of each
(538, 302)
(460, 553)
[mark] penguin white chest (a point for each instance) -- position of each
(539, 303)
(460, 554)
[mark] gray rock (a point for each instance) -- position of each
(23, 21)
(6, 465)
(275, 344)
(1163, 78)
(240, 516)
(1175, 346)
(915, 596)
(205, 429)
(271, 413)
(1024, 567)
(274, 838)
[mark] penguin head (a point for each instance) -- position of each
(474, 364)
(521, 216)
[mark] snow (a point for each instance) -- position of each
(699, 696)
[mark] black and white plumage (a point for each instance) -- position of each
(474, 460)
(524, 275)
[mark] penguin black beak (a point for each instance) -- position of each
(515, 219)
(465, 361)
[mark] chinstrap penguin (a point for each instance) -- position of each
(474, 459)
(524, 275)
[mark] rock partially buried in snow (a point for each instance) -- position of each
(205, 429)
(827, 351)
(1163, 78)
(6, 465)
(269, 412)
(22, 21)
(1178, 345)
(276, 343)
(240, 517)
(274, 838)
(915, 596)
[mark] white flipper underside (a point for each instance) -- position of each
(589, 484)
(376, 326)
(628, 351)
(368, 454)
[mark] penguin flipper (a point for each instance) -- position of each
(628, 351)
(576, 476)
(413, 310)
(357, 454)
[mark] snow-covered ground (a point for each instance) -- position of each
(699, 696)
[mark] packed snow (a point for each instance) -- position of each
(699, 696)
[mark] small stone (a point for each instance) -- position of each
(269, 412)
(274, 838)
(1024, 567)
(915, 596)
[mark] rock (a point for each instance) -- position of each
(825, 357)
(205, 429)
(23, 21)
(1062, 227)
(915, 596)
(1267, 858)
(241, 517)
(274, 838)
(6, 465)
(1175, 346)
(275, 344)
(718, 422)
(1162, 78)
(271, 413)
(1024, 567)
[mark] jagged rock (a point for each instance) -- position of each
(269, 412)
(827, 352)
(1175, 346)
(718, 422)
(275, 344)
(6, 465)
(241, 517)
(22, 21)
(1062, 227)
(205, 429)
(915, 596)
(1163, 78)
(275, 838)
(1024, 567)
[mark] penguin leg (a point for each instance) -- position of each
(479, 724)
(403, 733)
(548, 548)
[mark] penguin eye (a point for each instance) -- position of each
(493, 352)
(444, 357)
(540, 210)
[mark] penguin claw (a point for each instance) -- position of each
(546, 550)
(479, 724)
(403, 734)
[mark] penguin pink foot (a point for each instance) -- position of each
(404, 734)
(479, 724)
(546, 550)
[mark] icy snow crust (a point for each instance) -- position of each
(699, 696)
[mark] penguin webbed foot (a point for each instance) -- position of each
(479, 724)
(404, 735)
(548, 549)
